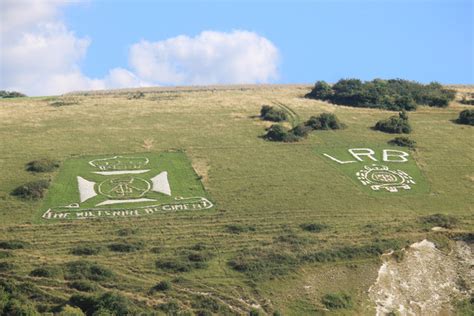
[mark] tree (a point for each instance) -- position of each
(466, 117)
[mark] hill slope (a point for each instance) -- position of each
(256, 248)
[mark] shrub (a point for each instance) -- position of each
(394, 124)
(136, 95)
(237, 228)
(126, 231)
(254, 312)
(403, 142)
(276, 133)
(32, 190)
(42, 165)
(45, 272)
(11, 94)
(83, 286)
(313, 227)
(12, 244)
(174, 265)
(125, 246)
(263, 263)
(106, 304)
(337, 301)
(270, 113)
(441, 220)
(87, 270)
(393, 94)
(170, 308)
(86, 250)
(466, 117)
(6, 266)
(324, 121)
(301, 130)
(162, 286)
(68, 310)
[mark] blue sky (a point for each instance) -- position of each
(314, 40)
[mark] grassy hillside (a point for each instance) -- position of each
(251, 251)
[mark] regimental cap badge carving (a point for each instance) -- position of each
(381, 177)
(118, 163)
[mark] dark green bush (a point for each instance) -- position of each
(337, 301)
(32, 190)
(83, 286)
(263, 263)
(162, 286)
(125, 246)
(324, 121)
(276, 133)
(11, 94)
(467, 101)
(127, 231)
(301, 130)
(466, 117)
(393, 94)
(270, 113)
(87, 270)
(403, 142)
(170, 308)
(13, 244)
(106, 304)
(5, 254)
(394, 124)
(239, 228)
(313, 227)
(376, 248)
(6, 266)
(42, 165)
(254, 312)
(174, 264)
(441, 220)
(86, 250)
(46, 272)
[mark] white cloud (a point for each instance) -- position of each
(209, 58)
(41, 56)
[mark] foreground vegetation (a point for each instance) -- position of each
(290, 234)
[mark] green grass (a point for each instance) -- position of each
(263, 192)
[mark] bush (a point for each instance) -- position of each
(45, 272)
(237, 228)
(107, 304)
(278, 133)
(42, 165)
(466, 117)
(441, 220)
(301, 130)
(126, 231)
(269, 113)
(394, 124)
(11, 94)
(337, 301)
(83, 286)
(12, 244)
(162, 286)
(87, 270)
(263, 263)
(325, 121)
(70, 311)
(393, 94)
(136, 95)
(6, 266)
(403, 142)
(314, 228)
(125, 246)
(174, 265)
(86, 250)
(32, 190)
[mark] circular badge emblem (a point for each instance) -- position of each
(124, 188)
